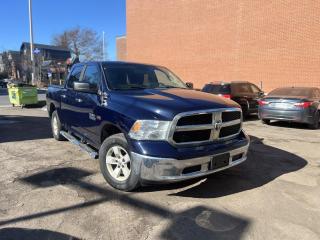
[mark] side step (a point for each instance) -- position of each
(83, 146)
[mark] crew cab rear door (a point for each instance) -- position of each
(68, 96)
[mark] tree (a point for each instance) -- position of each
(6, 66)
(84, 43)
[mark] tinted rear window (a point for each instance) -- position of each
(291, 92)
(217, 89)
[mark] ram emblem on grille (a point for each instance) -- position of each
(217, 125)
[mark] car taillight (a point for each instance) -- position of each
(303, 104)
(263, 103)
(225, 95)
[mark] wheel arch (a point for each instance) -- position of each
(108, 130)
(51, 109)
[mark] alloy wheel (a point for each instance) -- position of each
(118, 163)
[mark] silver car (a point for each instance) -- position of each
(292, 104)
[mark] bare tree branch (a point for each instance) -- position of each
(85, 43)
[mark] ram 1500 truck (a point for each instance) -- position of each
(145, 124)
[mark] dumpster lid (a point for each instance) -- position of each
(19, 84)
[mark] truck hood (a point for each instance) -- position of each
(164, 104)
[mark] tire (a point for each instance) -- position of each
(265, 121)
(56, 126)
(316, 119)
(115, 171)
(245, 110)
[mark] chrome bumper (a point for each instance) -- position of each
(171, 170)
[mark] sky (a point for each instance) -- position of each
(51, 17)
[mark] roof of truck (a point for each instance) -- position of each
(118, 63)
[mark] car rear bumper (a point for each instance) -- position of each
(301, 116)
(157, 169)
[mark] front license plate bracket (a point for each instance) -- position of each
(219, 161)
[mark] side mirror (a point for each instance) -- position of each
(84, 87)
(189, 85)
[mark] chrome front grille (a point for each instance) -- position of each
(205, 126)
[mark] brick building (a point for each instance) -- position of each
(121, 45)
(275, 42)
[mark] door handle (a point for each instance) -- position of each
(63, 95)
(79, 100)
(104, 98)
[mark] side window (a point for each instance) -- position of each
(74, 76)
(316, 94)
(162, 78)
(242, 88)
(254, 88)
(166, 78)
(207, 88)
(92, 76)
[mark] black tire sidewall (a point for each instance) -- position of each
(244, 108)
(133, 181)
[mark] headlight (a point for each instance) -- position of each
(149, 130)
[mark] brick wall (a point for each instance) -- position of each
(121, 46)
(276, 42)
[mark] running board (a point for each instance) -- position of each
(83, 146)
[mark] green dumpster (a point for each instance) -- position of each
(22, 94)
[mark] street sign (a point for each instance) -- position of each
(36, 51)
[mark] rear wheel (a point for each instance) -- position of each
(245, 109)
(265, 121)
(116, 163)
(316, 119)
(56, 126)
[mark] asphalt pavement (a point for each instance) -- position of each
(52, 190)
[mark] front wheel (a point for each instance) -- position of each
(116, 164)
(56, 126)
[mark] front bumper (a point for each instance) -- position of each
(156, 169)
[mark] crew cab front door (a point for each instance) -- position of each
(87, 104)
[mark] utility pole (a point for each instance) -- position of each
(103, 51)
(31, 43)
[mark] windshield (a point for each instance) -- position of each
(136, 76)
(291, 92)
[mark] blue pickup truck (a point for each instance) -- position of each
(144, 124)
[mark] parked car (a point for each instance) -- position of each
(292, 104)
(246, 94)
(3, 83)
(145, 124)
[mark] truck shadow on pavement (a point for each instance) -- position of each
(32, 234)
(15, 128)
(198, 222)
(264, 164)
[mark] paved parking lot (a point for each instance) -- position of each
(52, 190)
